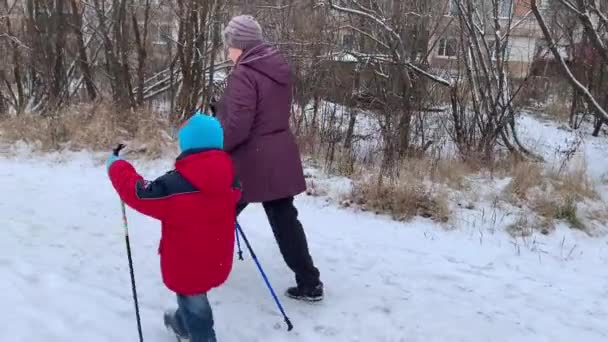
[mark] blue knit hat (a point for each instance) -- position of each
(201, 131)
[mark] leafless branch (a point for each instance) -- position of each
(575, 83)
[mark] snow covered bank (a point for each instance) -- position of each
(486, 201)
(65, 274)
(552, 140)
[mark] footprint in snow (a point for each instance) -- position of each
(382, 309)
(326, 331)
(453, 260)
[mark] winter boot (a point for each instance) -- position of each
(172, 324)
(305, 293)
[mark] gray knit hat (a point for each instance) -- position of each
(243, 32)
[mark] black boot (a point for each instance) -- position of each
(305, 293)
(172, 324)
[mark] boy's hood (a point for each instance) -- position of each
(209, 170)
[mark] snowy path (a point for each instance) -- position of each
(64, 273)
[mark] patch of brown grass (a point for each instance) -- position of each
(526, 175)
(420, 188)
(410, 194)
(521, 227)
(560, 208)
(91, 126)
(552, 195)
(403, 200)
(574, 180)
(558, 108)
(526, 224)
(451, 172)
(599, 215)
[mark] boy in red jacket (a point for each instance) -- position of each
(196, 205)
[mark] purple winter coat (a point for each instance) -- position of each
(254, 111)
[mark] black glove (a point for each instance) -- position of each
(213, 106)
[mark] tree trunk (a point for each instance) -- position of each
(83, 60)
(573, 108)
(59, 80)
(140, 41)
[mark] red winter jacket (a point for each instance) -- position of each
(196, 204)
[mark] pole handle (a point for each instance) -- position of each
(118, 148)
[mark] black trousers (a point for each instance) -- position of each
(289, 233)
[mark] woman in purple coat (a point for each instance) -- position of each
(254, 112)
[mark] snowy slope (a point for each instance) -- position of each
(552, 140)
(65, 275)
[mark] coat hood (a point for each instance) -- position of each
(267, 60)
(210, 171)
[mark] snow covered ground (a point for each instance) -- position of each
(552, 139)
(64, 272)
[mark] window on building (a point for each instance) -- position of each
(164, 33)
(505, 8)
(448, 47)
(348, 41)
(545, 4)
(453, 9)
(503, 48)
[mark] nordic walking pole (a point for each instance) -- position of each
(126, 227)
(255, 258)
(238, 243)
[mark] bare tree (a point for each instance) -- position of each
(592, 20)
(83, 59)
(485, 34)
(387, 29)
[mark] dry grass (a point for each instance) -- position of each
(599, 215)
(559, 208)
(526, 176)
(450, 172)
(574, 180)
(403, 200)
(417, 191)
(95, 127)
(521, 227)
(553, 195)
(558, 108)
(527, 223)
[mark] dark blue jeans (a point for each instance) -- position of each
(194, 318)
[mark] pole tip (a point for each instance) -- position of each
(289, 325)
